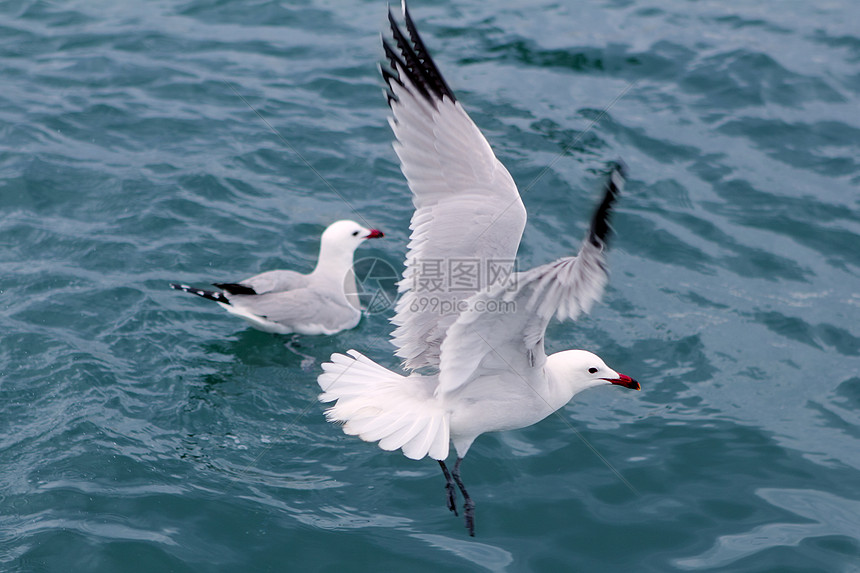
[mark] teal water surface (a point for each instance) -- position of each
(145, 430)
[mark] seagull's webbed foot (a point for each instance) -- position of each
(468, 504)
(449, 488)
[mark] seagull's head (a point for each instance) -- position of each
(347, 235)
(583, 369)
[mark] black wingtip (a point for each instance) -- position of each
(235, 288)
(619, 166)
(207, 294)
(413, 61)
(599, 231)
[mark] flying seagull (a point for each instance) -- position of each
(480, 349)
(284, 302)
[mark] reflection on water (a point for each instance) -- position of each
(487, 556)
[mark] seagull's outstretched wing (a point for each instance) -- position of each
(503, 329)
(468, 217)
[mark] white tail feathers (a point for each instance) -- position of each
(379, 405)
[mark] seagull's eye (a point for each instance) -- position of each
(355, 233)
(592, 370)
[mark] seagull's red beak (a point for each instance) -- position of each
(374, 234)
(626, 381)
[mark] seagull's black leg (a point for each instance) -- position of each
(468, 504)
(449, 488)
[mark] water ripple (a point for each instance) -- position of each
(144, 430)
(827, 515)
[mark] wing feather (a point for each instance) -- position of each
(301, 306)
(491, 335)
(467, 207)
(271, 282)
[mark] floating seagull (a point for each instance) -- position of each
(485, 343)
(284, 302)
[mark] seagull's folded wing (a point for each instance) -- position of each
(468, 217)
(503, 328)
(276, 281)
(303, 307)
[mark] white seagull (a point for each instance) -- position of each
(480, 345)
(285, 302)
